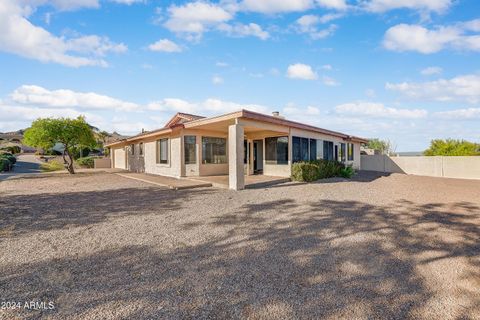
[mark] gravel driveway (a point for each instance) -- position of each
(100, 246)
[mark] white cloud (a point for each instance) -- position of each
(405, 37)
(243, 30)
(328, 81)
(309, 24)
(207, 107)
(301, 71)
(165, 45)
(327, 67)
(217, 80)
(460, 88)
(193, 19)
(221, 64)
(60, 5)
(465, 114)
(431, 71)
(275, 6)
(39, 96)
(378, 110)
(19, 36)
(333, 4)
(438, 6)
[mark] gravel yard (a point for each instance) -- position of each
(100, 246)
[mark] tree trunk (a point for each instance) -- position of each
(68, 162)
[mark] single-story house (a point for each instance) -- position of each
(234, 144)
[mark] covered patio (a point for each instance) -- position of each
(248, 162)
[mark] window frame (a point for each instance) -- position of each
(351, 152)
(343, 152)
(268, 159)
(159, 151)
(225, 156)
(185, 144)
(132, 149)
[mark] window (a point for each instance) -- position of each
(343, 152)
(313, 149)
(132, 149)
(140, 149)
(328, 150)
(300, 149)
(190, 146)
(276, 150)
(162, 151)
(214, 150)
(350, 152)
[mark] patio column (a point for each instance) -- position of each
(236, 178)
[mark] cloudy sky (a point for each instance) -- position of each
(406, 70)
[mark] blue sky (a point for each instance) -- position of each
(403, 70)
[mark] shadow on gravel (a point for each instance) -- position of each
(327, 259)
(21, 214)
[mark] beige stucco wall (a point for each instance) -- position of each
(448, 167)
(173, 168)
(119, 158)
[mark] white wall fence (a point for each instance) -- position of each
(448, 167)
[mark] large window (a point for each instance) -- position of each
(302, 149)
(276, 150)
(214, 150)
(343, 155)
(190, 145)
(132, 149)
(350, 152)
(140, 148)
(162, 151)
(328, 150)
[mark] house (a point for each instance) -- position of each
(234, 144)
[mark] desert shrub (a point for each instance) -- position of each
(10, 157)
(85, 162)
(347, 172)
(52, 165)
(305, 171)
(5, 164)
(319, 169)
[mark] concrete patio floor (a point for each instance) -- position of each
(169, 182)
(252, 181)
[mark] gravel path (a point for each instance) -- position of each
(100, 246)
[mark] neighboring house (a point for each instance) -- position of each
(234, 144)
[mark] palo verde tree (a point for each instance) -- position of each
(452, 147)
(71, 133)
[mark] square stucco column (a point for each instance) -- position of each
(236, 178)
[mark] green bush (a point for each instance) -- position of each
(9, 157)
(85, 162)
(347, 172)
(5, 165)
(305, 171)
(319, 169)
